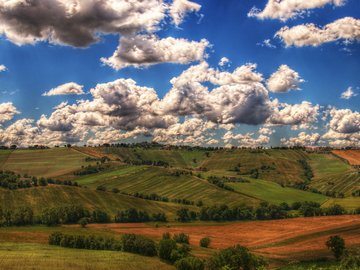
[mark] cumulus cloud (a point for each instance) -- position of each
(347, 28)
(303, 139)
(2, 68)
(70, 88)
(180, 8)
(284, 80)
(7, 112)
(344, 121)
(348, 93)
(301, 115)
(287, 9)
(145, 50)
(224, 61)
(245, 140)
(76, 22)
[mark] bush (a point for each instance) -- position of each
(190, 263)
(166, 247)
(337, 246)
(181, 238)
(205, 242)
(138, 244)
(237, 257)
(84, 222)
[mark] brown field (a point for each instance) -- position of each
(280, 239)
(95, 152)
(352, 156)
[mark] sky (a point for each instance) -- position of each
(210, 73)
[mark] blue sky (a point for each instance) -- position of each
(328, 69)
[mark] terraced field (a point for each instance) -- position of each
(42, 197)
(275, 193)
(333, 174)
(161, 181)
(46, 163)
(280, 166)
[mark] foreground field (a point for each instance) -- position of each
(25, 256)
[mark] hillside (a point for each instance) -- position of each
(352, 156)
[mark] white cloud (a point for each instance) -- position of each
(344, 121)
(286, 9)
(245, 140)
(179, 8)
(66, 89)
(76, 22)
(145, 50)
(284, 80)
(348, 93)
(7, 112)
(224, 61)
(303, 139)
(347, 28)
(2, 68)
(266, 43)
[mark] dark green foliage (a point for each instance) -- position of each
(166, 247)
(161, 217)
(307, 169)
(335, 210)
(310, 209)
(63, 215)
(166, 236)
(190, 263)
(132, 215)
(219, 183)
(237, 257)
(181, 238)
(184, 215)
(138, 244)
(205, 242)
(18, 217)
(337, 246)
(90, 170)
(99, 216)
(83, 222)
(351, 260)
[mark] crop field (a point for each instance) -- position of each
(46, 163)
(349, 203)
(333, 174)
(42, 197)
(298, 238)
(147, 180)
(25, 256)
(352, 156)
(275, 193)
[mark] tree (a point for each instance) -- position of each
(190, 263)
(205, 242)
(166, 247)
(337, 246)
(181, 238)
(84, 222)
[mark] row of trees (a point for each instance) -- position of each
(133, 215)
(265, 211)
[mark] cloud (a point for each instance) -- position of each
(347, 28)
(344, 121)
(301, 115)
(287, 9)
(2, 68)
(180, 8)
(284, 80)
(224, 61)
(77, 23)
(348, 93)
(303, 139)
(266, 43)
(66, 89)
(7, 112)
(145, 50)
(245, 140)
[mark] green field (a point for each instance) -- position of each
(42, 197)
(333, 174)
(47, 163)
(28, 256)
(349, 203)
(4, 155)
(147, 180)
(275, 193)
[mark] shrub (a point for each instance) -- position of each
(337, 246)
(190, 263)
(205, 242)
(181, 238)
(138, 244)
(166, 247)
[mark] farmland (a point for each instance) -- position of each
(180, 179)
(352, 156)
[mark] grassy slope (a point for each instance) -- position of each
(4, 155)
(47, 163)
(274, 193)
(157, 180)
(287, 169)
(26, 256)
(349, 203)
(42, 197)
(333, 174)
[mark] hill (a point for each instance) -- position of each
(352, 156)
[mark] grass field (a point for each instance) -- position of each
(333, 174)
(25, 256)
(147, 180)
(46, 163)
(352, 156)
(42, 197)
(275, 193)
(349, 203)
